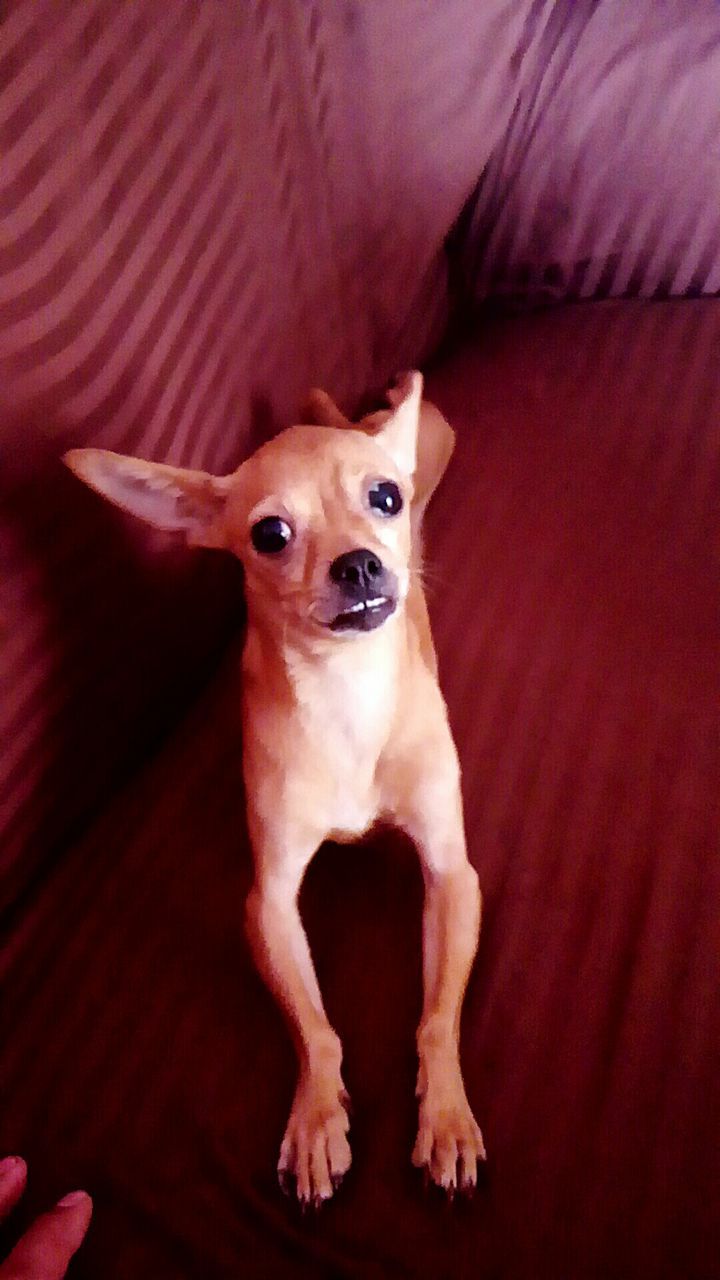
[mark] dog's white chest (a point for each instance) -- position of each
(347, 714)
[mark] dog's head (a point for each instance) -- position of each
(319, 516)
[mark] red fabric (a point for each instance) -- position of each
(203, 212)
(574, 581)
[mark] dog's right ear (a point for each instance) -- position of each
(190, 502)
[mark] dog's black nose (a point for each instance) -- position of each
(361, 568)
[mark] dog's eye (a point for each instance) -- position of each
(385, 498)
(270, 535)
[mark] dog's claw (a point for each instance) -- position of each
(284, 1181)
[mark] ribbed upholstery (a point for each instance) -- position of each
(574, 580)
(204, 209)
(607, 181)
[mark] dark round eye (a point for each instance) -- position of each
(385, 497)
(270, 535)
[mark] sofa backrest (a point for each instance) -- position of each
(205, 208)
(606, 184)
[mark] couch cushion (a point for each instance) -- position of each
(574, 584)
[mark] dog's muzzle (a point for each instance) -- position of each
(366, 591)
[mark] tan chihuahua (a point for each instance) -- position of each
(344, 724)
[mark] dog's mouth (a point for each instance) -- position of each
(364, 615)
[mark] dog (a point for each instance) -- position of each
(344, 724)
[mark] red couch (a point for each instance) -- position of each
(209, 208)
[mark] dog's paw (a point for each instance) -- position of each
(449, 1143)
(315, 1153)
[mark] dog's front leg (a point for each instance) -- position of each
(315, 1148)
(449, 1142)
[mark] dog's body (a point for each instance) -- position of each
(344, 724)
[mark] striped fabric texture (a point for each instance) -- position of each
(607, 182)
(574, 584)
(204, 209)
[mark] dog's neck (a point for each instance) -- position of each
(299, 669)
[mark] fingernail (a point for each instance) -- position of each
(11, 1166)
(72, 1198)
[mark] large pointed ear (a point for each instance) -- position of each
(399, 433)
(191, 502)
(436, 441)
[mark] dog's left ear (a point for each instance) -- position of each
(190, 502)
(399, 433)
(436, 441)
